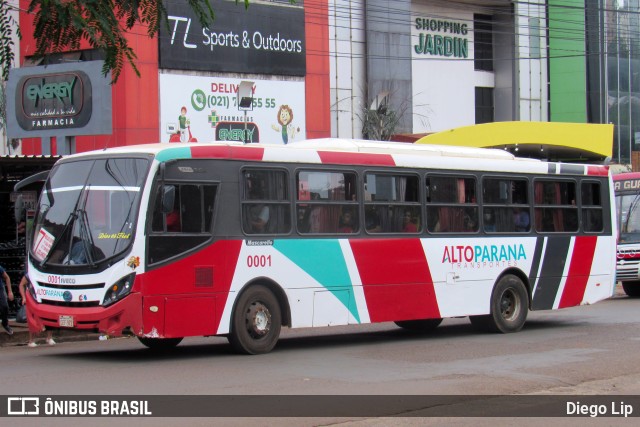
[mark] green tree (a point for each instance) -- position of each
(60, 25)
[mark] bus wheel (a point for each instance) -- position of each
(256, 322)
(419, 325)
(632, 289)
(509, 307)
(160, 343)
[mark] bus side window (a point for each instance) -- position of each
(506, 205)
(166, 221)
(187, 224)
(556, 209)
(266, 208)
(191, 209)
(592, 212)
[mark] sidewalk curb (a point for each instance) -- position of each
(21, 335)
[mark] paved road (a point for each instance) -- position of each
(582, 350)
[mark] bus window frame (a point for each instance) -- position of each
(207, 235)
(528, 205)
(428, 203)
(354, 204)
(244, 200)
(398, 205)
(575, 206)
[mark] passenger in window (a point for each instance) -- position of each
(521, 219)
(173, 220)
(346, 223)
(489, 221)
(470, 221)
(259, 217)
(303, 220)
(372, 222)
(408, 224)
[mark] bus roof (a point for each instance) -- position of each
(356, 152)
(626, 175)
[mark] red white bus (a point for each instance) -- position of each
(627, 193)
(170, 241)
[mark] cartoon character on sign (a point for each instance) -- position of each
(183, 133)
(285, 117)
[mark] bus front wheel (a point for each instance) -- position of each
(160, 343)
(509, 307)
(632, 289)
(256, 322)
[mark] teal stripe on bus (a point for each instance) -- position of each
(323, 260)
(174, 153)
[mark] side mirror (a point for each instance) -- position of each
(18, 209)
(168, 198)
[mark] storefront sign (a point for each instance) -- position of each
(440, 37)
(204, 109)
(265, 38)
(54, 101)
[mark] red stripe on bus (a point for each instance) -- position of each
(396, 279)
(205, 275)
(579, 270)
(597, 170)
(356, 158)
(228, 152)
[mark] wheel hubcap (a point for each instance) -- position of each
(509, 306)
(258, 320)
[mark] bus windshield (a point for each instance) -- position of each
(87, 211)
(628, 207)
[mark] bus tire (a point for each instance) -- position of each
(419, 325)
(160, 343)
(632, 289)
(256, 321)
(509, 307)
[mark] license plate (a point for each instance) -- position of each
(65, 321)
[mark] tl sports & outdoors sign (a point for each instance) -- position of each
(263, 39)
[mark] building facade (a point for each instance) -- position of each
(354, 69)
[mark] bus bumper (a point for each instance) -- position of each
(112, 320)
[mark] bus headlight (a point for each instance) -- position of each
(119, 290)
(31, 291)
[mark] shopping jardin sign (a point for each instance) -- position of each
(444, 38)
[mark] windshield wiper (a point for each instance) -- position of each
(67, 224)
(85, 236)
(632, 207)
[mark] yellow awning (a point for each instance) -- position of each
(546, 140)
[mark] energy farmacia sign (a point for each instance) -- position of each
(204, 109)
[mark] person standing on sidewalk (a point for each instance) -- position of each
(5, 297)
(22, 287)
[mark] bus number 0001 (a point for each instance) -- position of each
(259, 261)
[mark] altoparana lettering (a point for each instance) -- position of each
(483, 253)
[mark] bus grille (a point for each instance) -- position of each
(627, 270)
(72, 287)
(72, 303)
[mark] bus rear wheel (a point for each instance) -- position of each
(160, 343)
(509, 307)
(419, 325)
(256, 322)
(632, 289)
